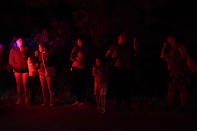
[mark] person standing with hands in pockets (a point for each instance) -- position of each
(18, 61)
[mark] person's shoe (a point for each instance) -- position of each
(18, 101)
(27, 101)
(51, 104)
(43, 104)
(75, 103)
(102, 111)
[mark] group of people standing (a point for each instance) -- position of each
(39, 63)
(113, 69)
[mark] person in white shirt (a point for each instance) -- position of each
(33, 64)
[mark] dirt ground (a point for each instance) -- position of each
(67, 118)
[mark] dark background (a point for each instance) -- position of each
(134, 16)
(150, 20)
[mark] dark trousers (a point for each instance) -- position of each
(121, 85)
(35, 83)
(79, 83)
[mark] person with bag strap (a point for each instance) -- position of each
(176, 56)
(47, 73)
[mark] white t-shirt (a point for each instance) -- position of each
(32, 70)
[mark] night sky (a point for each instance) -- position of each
(139, 15)
(150, 20)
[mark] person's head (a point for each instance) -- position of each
(36, 53)
(42, 46)
(79, 42)
(171, 40)
(98, 62)
(19, 42)
(121, 38)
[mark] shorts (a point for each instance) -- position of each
(100, 88)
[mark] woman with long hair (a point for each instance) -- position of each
(47, 73)
(79, 71)
(33, 65)
(120, 56)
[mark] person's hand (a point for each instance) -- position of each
(77, 58)
(166, 58)
(36, 65)
(107, 53)
(162, 57)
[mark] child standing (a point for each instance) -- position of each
(100, 74)
(33, 65)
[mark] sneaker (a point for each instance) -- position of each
(51, 104)
(18, 101)
(27, 101)
(43, 104)
(102, 111)
(75, 103)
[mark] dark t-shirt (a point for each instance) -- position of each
(122, 56)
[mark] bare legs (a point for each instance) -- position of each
(21, 79)
(44, 93)
(100, 93)
(47, 83)
(50, 84)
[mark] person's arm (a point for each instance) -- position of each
(39, 62)
(135, 48)
(183, 55)
(94, 71)
(166, 58)
(29, 62)
(11, 58)
(35, 65)
(162, 50)
(72, 56)
(183, 52)
(109, 51)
